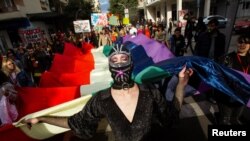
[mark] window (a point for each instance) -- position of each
(44, 4)
(158, 14)
(246, 5)
(8, 3)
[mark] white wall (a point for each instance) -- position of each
(152, 13)
(163, 9)
(34, 6)
(207, 7)
(169, 11)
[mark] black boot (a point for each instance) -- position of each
(225, 121)
(225, 114)
(236, 114)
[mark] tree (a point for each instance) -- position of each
(77, 9)
(117, 7)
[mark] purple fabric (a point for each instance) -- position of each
(248, 104)
(160, 51)
(246, 76)
(203, 87)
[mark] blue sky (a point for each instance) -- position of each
(104, 5)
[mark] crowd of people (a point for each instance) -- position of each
(124, 103)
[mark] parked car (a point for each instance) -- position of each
(222, 20)
(242, 26)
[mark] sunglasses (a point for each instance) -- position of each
(10, 64)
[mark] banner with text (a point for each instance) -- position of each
(31, 35)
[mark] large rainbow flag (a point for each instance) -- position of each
(63, 90)
(78, 73)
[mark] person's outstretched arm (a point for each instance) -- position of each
(57, 121)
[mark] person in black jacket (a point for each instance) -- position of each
(177, 42)
(199, 28)
(189, 31)
(211, 44)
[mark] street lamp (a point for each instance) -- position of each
(126, 13)
(198, 8)
(77, 13)
(121, 5)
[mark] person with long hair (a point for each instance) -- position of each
(16, 76)
(8, 96)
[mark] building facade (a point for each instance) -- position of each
(15, 19)
(244, 9)
(163, 10)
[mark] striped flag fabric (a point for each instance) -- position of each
(224, 79)
(63, 91)
(79, 72)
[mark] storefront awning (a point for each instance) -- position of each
(43, 16)
(14, 23)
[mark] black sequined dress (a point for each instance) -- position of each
(152, 116)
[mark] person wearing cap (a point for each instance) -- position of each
(134, 111)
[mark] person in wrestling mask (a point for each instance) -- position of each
(135, 112)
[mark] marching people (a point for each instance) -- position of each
(177, 42)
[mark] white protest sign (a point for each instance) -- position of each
(82, 26)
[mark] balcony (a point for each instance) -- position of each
(7, 9)
(141, 4)
(11, 13)
(152, 2)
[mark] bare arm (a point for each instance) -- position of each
(184, 75)
(179, 93)
(57, 121)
